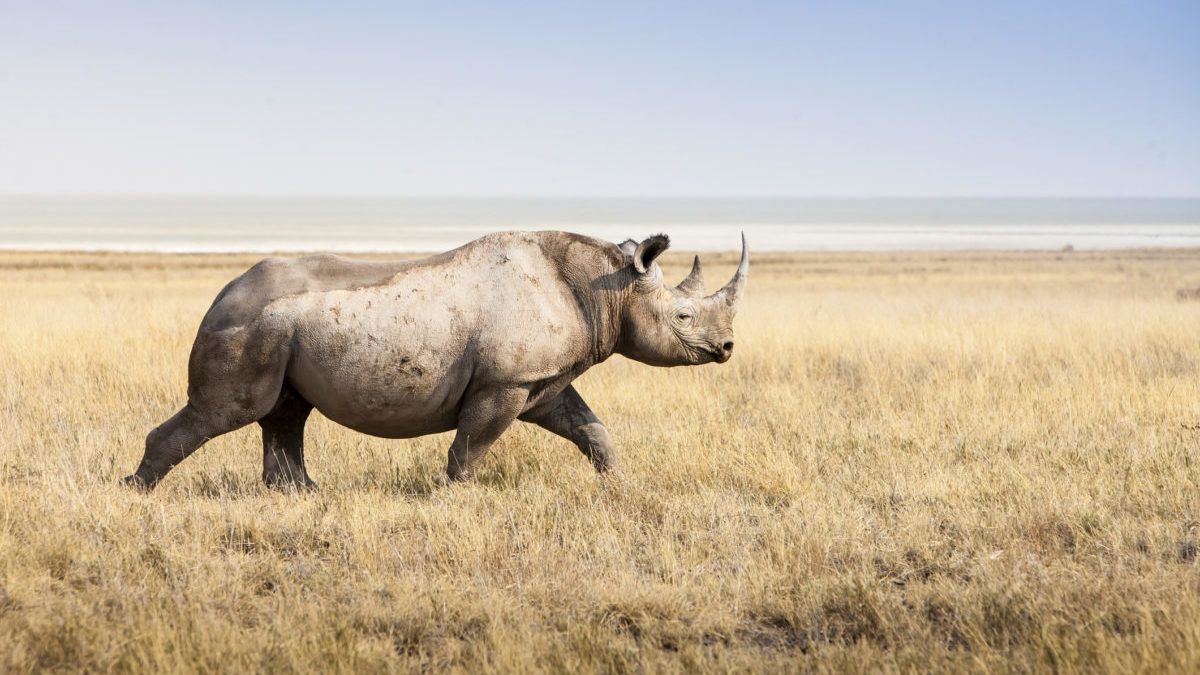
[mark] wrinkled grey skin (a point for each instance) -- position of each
(471, 339)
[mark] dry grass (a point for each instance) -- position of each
(913, 462)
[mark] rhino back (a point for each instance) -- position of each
(499, 303)
(243, 300)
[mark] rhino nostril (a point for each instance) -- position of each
(728, 346)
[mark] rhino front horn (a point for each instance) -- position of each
(731, 292)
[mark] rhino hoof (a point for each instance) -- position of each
(458, 476)
(137, 483)
(285, 484)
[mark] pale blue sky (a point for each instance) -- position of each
(613, 98)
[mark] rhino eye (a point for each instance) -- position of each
(684, 316)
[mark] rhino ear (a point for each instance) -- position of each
(646, 252)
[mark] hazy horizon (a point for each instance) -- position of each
(312, 223)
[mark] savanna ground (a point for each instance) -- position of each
(933, 462)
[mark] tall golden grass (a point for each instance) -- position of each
(931, 462)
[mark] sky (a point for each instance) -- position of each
(646, 98)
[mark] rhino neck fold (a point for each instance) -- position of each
(601, 312)
(595, 274)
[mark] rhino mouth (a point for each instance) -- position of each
(717, 355)
(703, 351)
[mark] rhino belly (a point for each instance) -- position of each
(391, 386)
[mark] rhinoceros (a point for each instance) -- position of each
(468, 340)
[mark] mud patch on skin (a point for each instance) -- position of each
(406, 367)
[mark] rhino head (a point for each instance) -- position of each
(680, 325)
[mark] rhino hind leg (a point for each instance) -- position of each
(173, 441)
(234, 378)
(283, 442)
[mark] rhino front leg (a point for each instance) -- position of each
(568, 416)
(485, 415)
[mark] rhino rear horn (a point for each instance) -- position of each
(693, 285)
